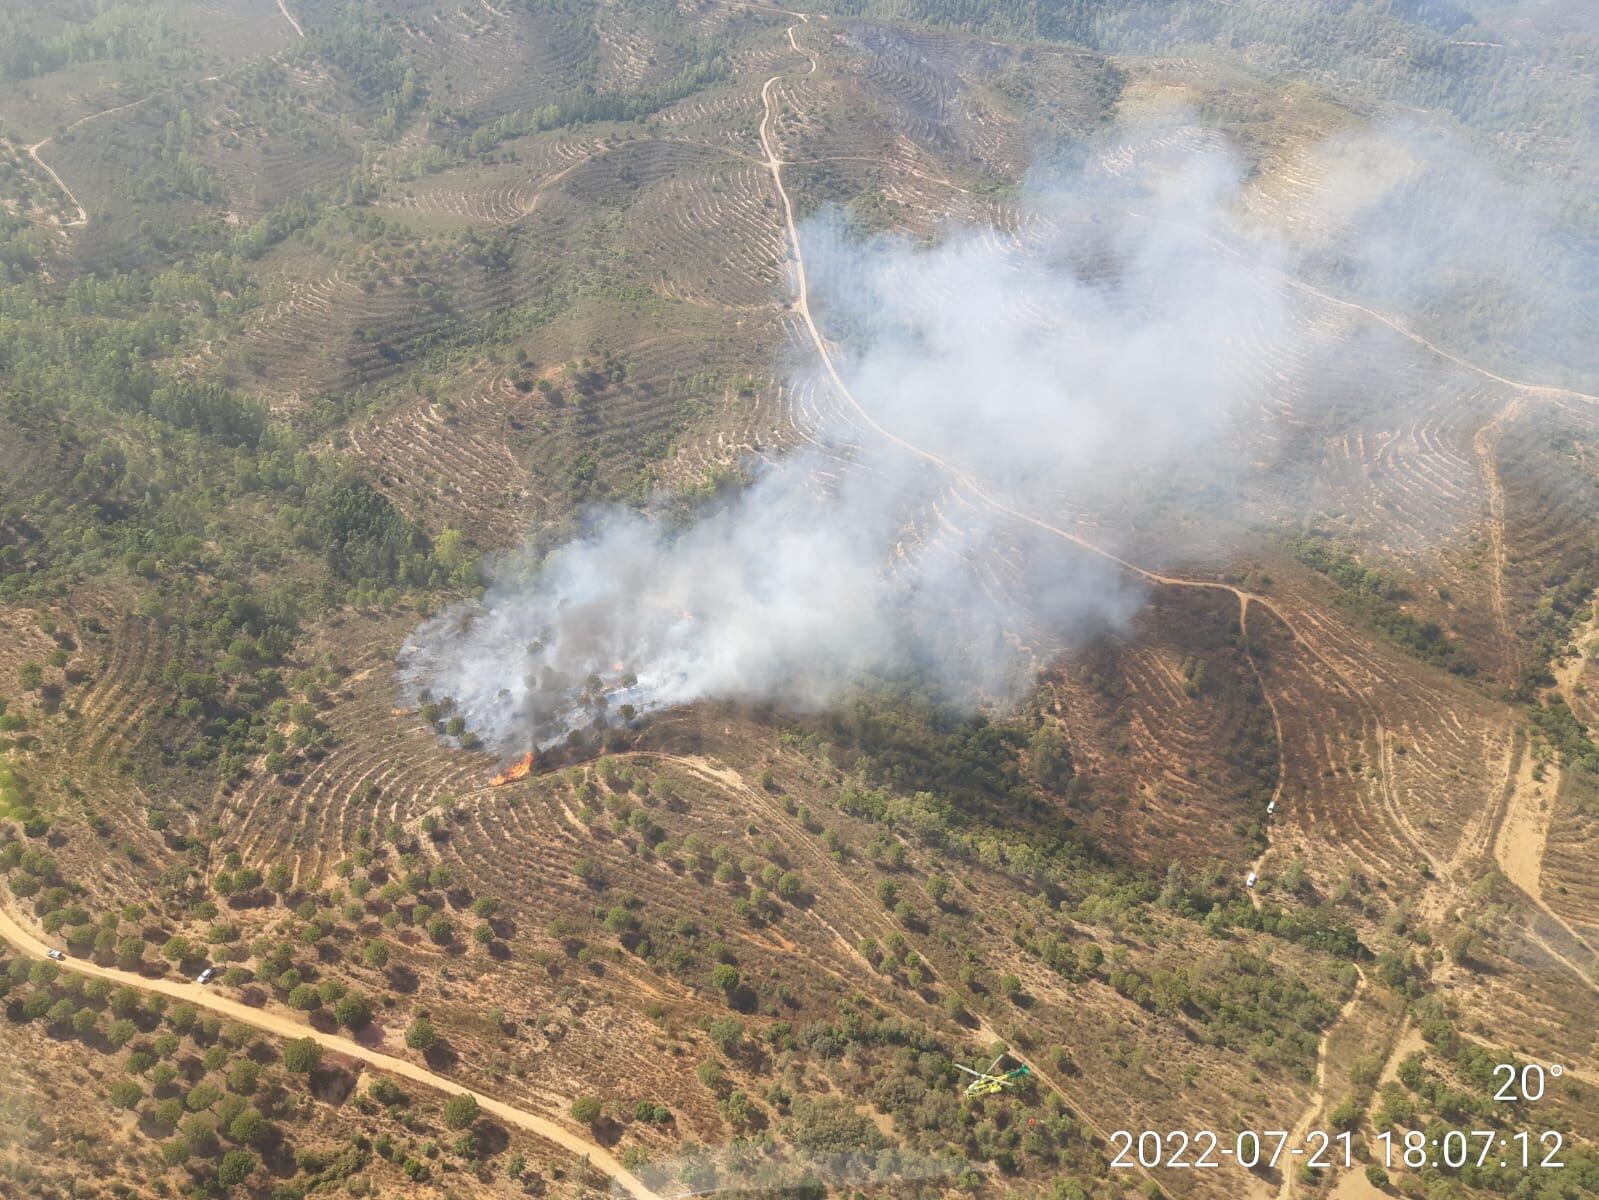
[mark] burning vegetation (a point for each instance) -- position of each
(520, 769)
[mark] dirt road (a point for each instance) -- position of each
(1485, 445)
(1259, 864)
(1353, 1184)
(775, 164)
(82, 218)
(1519, 848)
(1531, 389)
(1318, 1097)
(281, 1026)
(83, 215)
(1518, 827)
(289, 17)
(33, 152)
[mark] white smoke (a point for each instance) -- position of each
(1412, 222)
(1079, 363)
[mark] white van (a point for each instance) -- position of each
(206, 975)
(1252, 880)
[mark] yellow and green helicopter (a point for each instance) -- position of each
(986, 1083)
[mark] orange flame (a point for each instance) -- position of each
(520, 769)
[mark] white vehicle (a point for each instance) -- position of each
(1271, 807)
(206, 975)
(1252, 880)
(55, 954)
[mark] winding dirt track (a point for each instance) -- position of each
(1544, 390)
(289, 17)
(33, 152)
(1484, 446)
(281, 1026)
(83, 215)
(82, 218)
(1318, 1097)
(775, 164)
(1517, 827)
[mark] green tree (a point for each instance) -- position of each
(243, 1076)
(421, 1035)
(1347, 1115)
(181, 1016)
(737, 1109)
(302, 1056)
(248, 1127)
(305, 998)
(620, 920)
(727, 1033)
(460, 1111)
(354, 1011)
(1049, 757)
(450, 549)
(235, 1167)
(385, 1091)
(586, 1109)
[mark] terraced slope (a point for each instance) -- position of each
(313, 311)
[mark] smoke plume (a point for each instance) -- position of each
(1081, 362)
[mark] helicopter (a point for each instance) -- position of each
(986, 1083)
